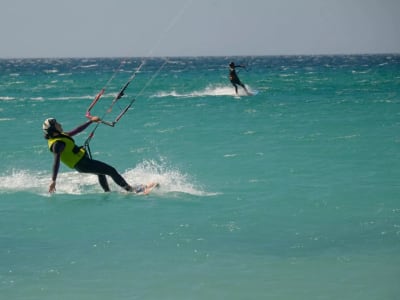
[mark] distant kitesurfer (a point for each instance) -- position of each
(64, 148)
(234, 78)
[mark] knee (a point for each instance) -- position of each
(113, 170)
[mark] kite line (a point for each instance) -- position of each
(121, 93)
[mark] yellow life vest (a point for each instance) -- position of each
(71, 154)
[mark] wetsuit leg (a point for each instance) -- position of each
(244, 87)
(104, 183)
(87, 165)
(234, 84)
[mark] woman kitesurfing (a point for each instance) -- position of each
(64, 149)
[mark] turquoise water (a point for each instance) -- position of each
(292, 193)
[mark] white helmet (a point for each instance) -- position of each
(49, 125)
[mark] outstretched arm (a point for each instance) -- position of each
(58, 147)
(83, 126)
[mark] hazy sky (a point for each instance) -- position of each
(103, 28)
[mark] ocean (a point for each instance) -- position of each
(291, 193)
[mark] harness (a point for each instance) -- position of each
(72, 154)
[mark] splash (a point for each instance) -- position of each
(38, 182)
(19, 180)
(171, 180)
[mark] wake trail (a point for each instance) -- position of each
(171, 180)
(209, 91)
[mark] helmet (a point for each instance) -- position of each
(232, 64)
(49, 125)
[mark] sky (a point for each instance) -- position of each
(136, 28)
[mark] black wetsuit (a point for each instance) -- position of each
(234, 78)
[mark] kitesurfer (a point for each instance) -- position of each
(234, 78)
(65, 150)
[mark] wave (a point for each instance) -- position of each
(81, 97)
(88, 66)
(109, 96)
(6, 98)
(171, 181)
(63, 98)
(219, 90)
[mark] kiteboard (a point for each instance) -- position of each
(146, 189)
(252, 93)
(246, 93)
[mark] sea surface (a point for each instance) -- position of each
(291, 193)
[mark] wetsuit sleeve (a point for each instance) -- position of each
(57, 148)
(79, 128)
